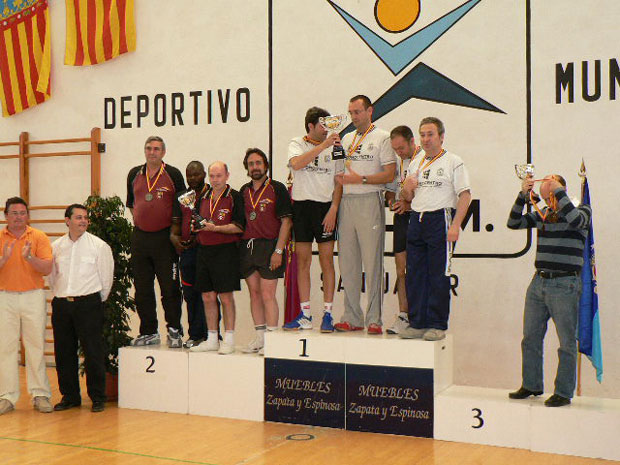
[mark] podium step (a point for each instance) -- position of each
(587, 428)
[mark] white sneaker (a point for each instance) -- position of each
(226, 348)
(261, 351)
(253, 347)
(42, 404)
(400, 324)
(210, 345)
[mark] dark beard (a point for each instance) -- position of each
(255, 175)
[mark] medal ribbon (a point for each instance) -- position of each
(312, 141)
(354, 146)
(552, 201)
(259, 197)
(148, 178)
(430, 162)
(213, 207)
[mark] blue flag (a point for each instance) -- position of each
(589, 323)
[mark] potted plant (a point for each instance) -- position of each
(108, 222)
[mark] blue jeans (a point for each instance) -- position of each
(556, 298)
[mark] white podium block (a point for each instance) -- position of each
(482, 416)
(305, 345)
(588, 427)
(229, 386)
(363, 349)
(153, 378)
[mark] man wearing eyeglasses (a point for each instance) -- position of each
(26, 258)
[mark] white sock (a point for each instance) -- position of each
(305, 309)
(403, 315)
(327, 307)
(260, 332)
(212, 335)
(229, 337)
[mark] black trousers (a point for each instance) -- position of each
(152, 255)
(80, 320)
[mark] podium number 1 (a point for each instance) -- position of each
(150, 369)
(303, 348)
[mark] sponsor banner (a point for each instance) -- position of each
(307, 393)
(393, 400)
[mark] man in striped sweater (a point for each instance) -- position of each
(555, 288)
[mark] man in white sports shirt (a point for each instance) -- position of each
(438, 187)
(315, 211)
(370, 164)
(403, 143)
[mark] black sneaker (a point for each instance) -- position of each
(556, 401)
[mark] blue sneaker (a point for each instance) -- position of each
(327, 325)
(301, 322)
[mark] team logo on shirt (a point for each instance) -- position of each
(263, 204)
(222, 213)
(440, 172)
(426, 173)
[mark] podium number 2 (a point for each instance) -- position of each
(150, 369)
(303, 348)
(478, 416)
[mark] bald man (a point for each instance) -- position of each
(555, 289)
(217, 272)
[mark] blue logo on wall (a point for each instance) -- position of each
(422, 82)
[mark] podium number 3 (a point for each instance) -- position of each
(478, 416)
(150, 369)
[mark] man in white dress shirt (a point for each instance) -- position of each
(81, 280)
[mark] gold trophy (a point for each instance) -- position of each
(335, 123)
(188, 200)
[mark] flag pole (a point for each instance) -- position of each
(582, 175)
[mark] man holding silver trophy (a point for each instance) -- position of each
(555, 289)
(315, 209)
(438, 187)
(370, 163)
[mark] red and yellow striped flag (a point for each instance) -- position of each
(99, 30)
(25, 55)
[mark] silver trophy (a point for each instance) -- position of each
(523, 171)
(335, 123)
(188, 200)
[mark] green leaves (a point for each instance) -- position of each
(108, 222)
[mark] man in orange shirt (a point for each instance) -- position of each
(26, 258)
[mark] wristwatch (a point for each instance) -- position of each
(279, 251)
(364, 180)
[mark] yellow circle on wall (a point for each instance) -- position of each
(397, 15)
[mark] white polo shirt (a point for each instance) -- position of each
(440, 184)
(370, 156)
(315, 181)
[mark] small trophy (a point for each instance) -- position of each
(334, 123)
(523, 171)
(188, 200)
